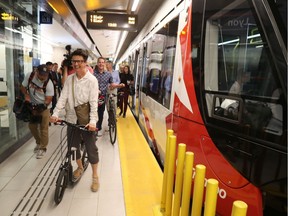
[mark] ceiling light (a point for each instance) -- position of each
(51, 5)
(135, 5)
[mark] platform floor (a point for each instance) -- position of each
(130, 179)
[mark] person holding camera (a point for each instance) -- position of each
(39, 91)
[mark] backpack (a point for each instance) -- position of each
(44, 85)
(23, 109)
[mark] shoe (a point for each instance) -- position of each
(95, 184)
(100, 133)
(78, 173)
(40, 153)
(124, 116)
(120, 114)
(36, 149)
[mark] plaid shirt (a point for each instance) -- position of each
(104, 79)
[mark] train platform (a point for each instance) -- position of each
(130, 178)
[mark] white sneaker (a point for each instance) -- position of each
(100, 133)
(40, 153)
(36, 149)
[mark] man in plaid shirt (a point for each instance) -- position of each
(105, 80)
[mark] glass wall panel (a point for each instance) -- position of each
(18, 39)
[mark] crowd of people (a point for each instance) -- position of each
(51, 90)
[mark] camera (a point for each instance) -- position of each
(67, 60)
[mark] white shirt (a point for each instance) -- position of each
(37, 95)
(85, 90)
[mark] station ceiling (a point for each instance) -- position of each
(107, 42)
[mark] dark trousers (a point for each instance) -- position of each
(76, 136)
(101, 110)
(124, 102)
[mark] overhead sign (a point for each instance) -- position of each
(124, 22)
(8, 16)
(45, 18)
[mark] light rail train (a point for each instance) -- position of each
(216, 73)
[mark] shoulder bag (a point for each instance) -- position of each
(82, 111)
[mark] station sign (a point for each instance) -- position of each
(111, 21)
(45, 18)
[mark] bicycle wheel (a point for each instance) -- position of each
(84, 158)
(112, 127)
(61, 185)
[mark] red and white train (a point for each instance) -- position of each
(216, 73)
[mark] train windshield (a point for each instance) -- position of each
(241, 78)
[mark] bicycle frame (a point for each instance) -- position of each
(112, 117)
(65, 174)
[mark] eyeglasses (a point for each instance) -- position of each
(77, 61)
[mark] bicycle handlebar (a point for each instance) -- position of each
(81, 127)
(112, 95)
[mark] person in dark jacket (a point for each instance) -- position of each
(128, 80)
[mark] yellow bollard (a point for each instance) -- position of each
(189, 160)
(239, 208)
(179, 178)
(211, 197)
(170, 175)
(164, 184)
(198, 190)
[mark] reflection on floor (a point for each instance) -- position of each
(27, 184)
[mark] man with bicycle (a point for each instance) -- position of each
(116, 81)
(105, 81)
(81, 88)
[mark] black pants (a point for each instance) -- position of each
(101, 110)
(124, 101)
(75, 136)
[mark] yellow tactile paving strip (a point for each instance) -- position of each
(141, 175)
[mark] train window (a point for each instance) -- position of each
(160, 63)
(239, 76)
(227, 108)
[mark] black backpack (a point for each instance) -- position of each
(44, 84)
(23, 109)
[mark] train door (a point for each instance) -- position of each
(134, 102)
(133, 67)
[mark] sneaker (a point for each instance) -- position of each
(78, 173)
(95, 184)
(36, 148)
(100, 133)
(40, 153)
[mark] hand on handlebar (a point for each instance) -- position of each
(53, 119)
(90, 127)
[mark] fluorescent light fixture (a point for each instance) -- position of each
(228, 42)
(236, 40)
(51, 5)
(35, 37)
(122, 39)
(135, 5)
(253, 36)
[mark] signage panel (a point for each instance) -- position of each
(124, 22)
(45, 18)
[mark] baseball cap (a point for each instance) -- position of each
(42, 69)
